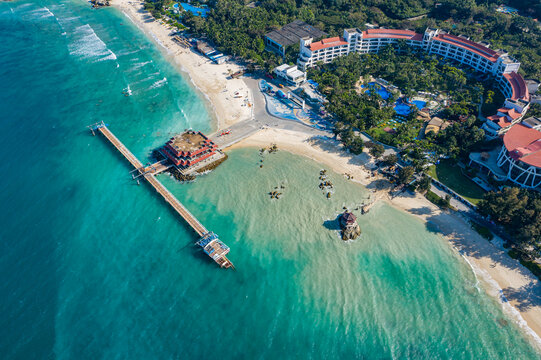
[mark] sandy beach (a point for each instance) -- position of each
(515, 288)
(212, 80)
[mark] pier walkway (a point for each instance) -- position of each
(148, 173)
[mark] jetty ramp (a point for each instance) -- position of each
(209, 241)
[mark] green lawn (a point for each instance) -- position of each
(451, 175)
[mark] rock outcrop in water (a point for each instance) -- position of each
(99, 3)
(350, 229)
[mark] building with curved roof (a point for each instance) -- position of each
(519, 159)
(520, 156)
(461, 49)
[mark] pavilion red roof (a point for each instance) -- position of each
(349, 217)
(524, 144)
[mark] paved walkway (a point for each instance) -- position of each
(261, 119)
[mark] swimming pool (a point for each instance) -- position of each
(379, 89)
(404, 109)
(203, 12)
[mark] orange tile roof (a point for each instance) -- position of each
(518, 86)
(512, 113)
(391, 33)
(501, 121)
(524, 144)
(469, 45)
(327, 43)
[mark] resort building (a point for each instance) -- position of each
(290, 74)
(189, 148)
(435, 125)
(278, 40)
(507, 116)
(519, 159)
(210, 52)
(478, 56)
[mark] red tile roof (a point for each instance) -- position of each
(469, 45)
(392, 33)
(524, 144)
(518, 85)
(501, 121)
(512, 113)
(327, 43)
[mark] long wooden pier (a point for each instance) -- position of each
(148, 172)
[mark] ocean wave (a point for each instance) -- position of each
(139, 65)
(111, 56)
(150, 77)
(89, 45)
(68, 19)
(159, 83)
(41, 13)
(23, 6)
(127, 52)
(509, 309)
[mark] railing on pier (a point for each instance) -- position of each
(148, 172)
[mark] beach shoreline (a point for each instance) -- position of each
(211, 80)
(495, 269)
(502, 278)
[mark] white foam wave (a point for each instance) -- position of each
(139, 65)
(509, 309)
(41, 13)
(88, 45)
(111, 56)
(127, 52)
(49, 11)
(151, 77)
(159, 83)
(68, 19)
(20, 7)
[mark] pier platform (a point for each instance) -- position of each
(209, 241)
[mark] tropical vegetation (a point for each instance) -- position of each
(519, 212)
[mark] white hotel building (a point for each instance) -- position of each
(458, 48)
(519, 159)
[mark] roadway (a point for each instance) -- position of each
(260, 119)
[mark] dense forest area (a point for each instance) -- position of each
(238, 28)
(519, 211)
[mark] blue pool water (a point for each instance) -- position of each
(379, 89)
(419, 103)
(400, 108)
(193, 9)
(404, 109)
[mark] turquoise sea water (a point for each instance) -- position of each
(95, 267)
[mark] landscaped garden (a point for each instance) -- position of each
(451, 175)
